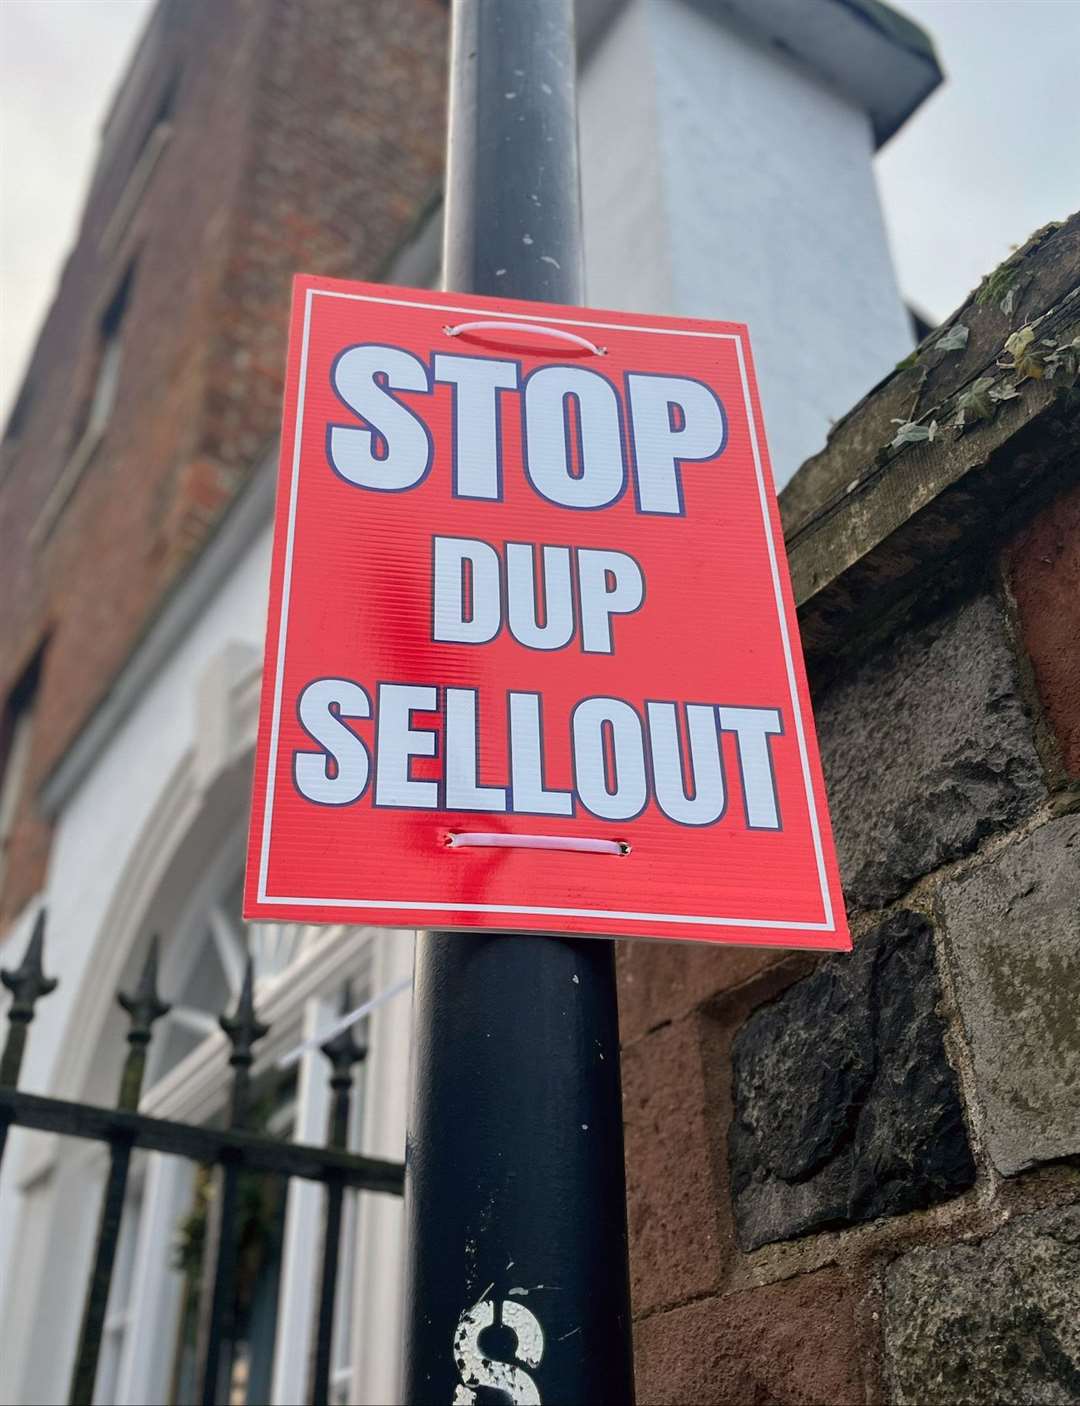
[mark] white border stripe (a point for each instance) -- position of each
(553, 912)
(789, 662)
(408, 905)
(286, 592)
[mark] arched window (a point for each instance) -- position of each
(202, 960)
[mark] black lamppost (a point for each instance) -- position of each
(515, 1189)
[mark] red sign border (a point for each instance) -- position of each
(785, 933)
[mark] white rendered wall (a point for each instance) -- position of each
(94, 837)
(723, 180)
(99, 825)
(45, 1202)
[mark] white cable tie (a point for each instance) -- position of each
(288, 1060)
(500, 325)
(498, 840)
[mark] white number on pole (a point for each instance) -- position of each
(478, 1369)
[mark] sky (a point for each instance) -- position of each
(990, 157)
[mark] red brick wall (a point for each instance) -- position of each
(307, 135)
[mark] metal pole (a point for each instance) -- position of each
(515, 1193)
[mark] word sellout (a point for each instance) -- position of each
(618, 760)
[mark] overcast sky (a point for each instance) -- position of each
(989, 158)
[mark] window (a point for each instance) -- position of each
(203, 967)
(154, 141)
(96, 410)
(98, 406)
(15, 735)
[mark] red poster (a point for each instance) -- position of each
(532, 660)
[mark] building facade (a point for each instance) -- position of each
(727, 171)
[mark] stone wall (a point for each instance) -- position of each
(857, 1179)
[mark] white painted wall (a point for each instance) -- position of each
(722, 180)
(48, 1204)
(100, 824)
(94, 837)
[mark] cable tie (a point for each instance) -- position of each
(500, 840)
(500, 325)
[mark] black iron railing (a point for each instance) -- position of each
(232, 1151)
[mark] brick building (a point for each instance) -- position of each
(794, 1257)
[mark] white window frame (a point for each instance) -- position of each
(102, 403)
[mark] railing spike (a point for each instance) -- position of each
(343, 1050)
(243, 1027)
(28, 982)
(144, 1005)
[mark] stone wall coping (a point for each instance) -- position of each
(950, 453)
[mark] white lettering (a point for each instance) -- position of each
(465, 613)
(397, 741)
(477, 381)
(573, 437)
(701, 800)
(463, 791)
(322, 706)
(558, 628)
(674, 421)
(752, 728)
(530, 795)
(478, 1368)
(394, 452)
(598, 723)
(610, 584)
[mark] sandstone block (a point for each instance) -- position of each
(672, 1202)
(660, 981)
(787, 1344)
(1044, 571)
